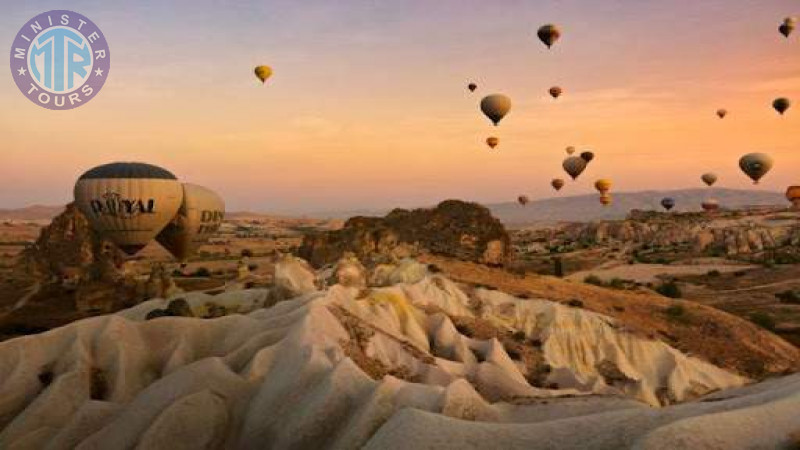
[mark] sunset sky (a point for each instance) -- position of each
(368, 106)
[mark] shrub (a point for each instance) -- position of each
(247, 253)
(675, 311)
(763, 320)
(790, 296)
(202, 272)
(593, 279)
(575, 303)
(617, 283)
(669, 289)
(252, 267)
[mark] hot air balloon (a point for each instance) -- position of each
(127, 202)
(557, 183)
(263, 72)
(793, 195)
(523, 200)
(548, 34)
(605, 199)
(555, 91)
(602, 185)
(587, 156)
(199, 217)
(787, 26)
(574, 166)
(710, 205)
(709, 178)
(495, 107)
(570, 150)
(722, 113)
(755, 165)
(781, 104)
(668, 203)
(472, 87)
(492, 141)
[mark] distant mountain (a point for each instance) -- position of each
(34, 212)
(584, 208)
(578, 208)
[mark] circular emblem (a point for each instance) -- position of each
(60, 59)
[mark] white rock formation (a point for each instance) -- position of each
(390, 367)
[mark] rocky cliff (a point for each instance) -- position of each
(757, 236)
(454, 228)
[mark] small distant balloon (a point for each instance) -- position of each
(523, 200)
(574, 166)
(793, 195)
(668, 203)
(555, 91)
(787, 26)
(492, 141)
(603, 185)
(495, 107)
(709, 178)
(548, 34)
(710, 205)
(570, 150)
(472, 87)
(263, 72)
(722, 113)
(587, 156)
(781, 104)
(605, 199)
(557, 183)
(755, 165)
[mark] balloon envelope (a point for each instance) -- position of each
(603, 185)
(709, 178)
(495, 107)
(755, 165)
(668, 203)
(492, 141)
(587, 156)
(793, 195)
(557, 183)
(781, 104)
(786, 28)
(710, 204)
(570, 150)
(555, 91)
(523, 200)
(605, 199)
(199, 217)
(129, 203)
(472, 87)
(722, 113)
(574, 166)
(263, 72)
(548, 34)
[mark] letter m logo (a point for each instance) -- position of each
(19, 53)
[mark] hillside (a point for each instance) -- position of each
(33, 212)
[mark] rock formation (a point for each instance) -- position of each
(424, 364)
(462, 230)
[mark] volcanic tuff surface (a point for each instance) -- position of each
(424, 363)
(453, 228)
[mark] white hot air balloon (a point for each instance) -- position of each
(128, 203)
(198, 218)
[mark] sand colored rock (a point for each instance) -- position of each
(422, 363)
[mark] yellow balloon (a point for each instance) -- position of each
(263, 72)
(602, 185)
(128, 203)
